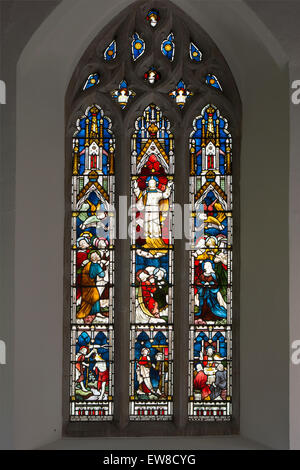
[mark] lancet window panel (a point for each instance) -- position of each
(92, 268)
(152, 255)
(210, 369)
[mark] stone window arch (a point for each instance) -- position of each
(100, 79)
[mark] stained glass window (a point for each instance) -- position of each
(180, 94)
(195, 53)
(145, 83)
(153, 17)
(151, 342)
(110, 52)
(92, 80)
(152, 75)
(168, 47)
(123, 94)
(212, 80)
(137, 46)
(210, 369)
(92, 268)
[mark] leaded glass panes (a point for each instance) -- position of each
(168, 47)
(195, 53)
(148, 75)
(123, 94)
(180, 94)
(153, 17)
(152, 75)
(92, 80)
(137, 46)
(212, 80)
(92, 268)
(210, 352)
(110, 52)
(151, 341)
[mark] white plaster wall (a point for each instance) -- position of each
(260, 69)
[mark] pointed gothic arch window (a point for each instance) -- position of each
(153, 114)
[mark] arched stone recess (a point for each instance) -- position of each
(259, 68)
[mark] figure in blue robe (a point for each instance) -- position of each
(211, 303)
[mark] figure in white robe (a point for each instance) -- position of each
(154, 204)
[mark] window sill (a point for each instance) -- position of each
(146, 443)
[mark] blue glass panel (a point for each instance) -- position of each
(168, 47)
(195, 53)
(213, 81)
(137, 46)
(92, 80)
(111, 51)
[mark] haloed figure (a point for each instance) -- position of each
(151, 202)
(90, 304)
(211, 303)
(143, 368)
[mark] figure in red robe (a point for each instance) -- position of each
(143, 368)
(81, 367)
(148, 288)
(200, 383)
